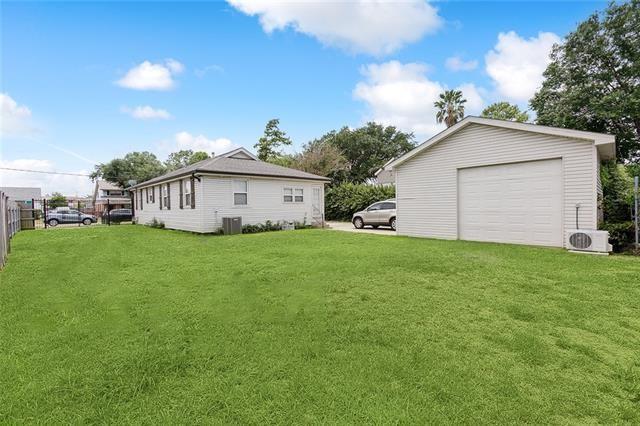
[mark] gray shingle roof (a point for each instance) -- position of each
(235, 166)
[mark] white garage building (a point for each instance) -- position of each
(501, 181)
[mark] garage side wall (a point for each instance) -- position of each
(427, 184)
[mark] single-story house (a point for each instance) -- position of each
(234, 184)
(502, 181)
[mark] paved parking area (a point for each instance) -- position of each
(348, 227)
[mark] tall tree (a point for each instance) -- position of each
(184, 158)
(505, 111)
(593, 80)
(367, 148)
(134, 167)
(56, 200)
(450, 107)
(270, 144)
(322, 158)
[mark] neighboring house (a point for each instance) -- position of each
(106, 193)
(384, 175)
(196, 198)
(22, 195)
(85, 203)
(501, 181)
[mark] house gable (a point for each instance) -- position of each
(240, 154)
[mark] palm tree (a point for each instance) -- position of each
(450, 107)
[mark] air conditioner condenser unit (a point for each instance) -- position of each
(588, 240)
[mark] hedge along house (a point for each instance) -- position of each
(502, 181)
(196, 198)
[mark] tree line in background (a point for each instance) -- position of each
(592, 83)
(137, 167)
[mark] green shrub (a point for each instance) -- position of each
(617, 191)
(155, 223)
(621, 235)
(343, 200)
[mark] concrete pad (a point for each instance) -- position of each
(348, 227)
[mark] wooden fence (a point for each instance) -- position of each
(9, 225)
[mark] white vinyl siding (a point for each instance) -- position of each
(186, 219)
(427, 192)
(265, 201)
(214, 200)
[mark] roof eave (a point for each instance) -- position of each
(211, 172)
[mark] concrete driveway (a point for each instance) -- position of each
(348, 227)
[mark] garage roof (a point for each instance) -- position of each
(604, 142)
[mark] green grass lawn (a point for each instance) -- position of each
(127, 324)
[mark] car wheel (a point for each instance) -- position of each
(53, 222)
(393, 223)
(87, 221)
(358, 223)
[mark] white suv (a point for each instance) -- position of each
(382, 213)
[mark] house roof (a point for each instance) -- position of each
(108, 186)
(236, 162)
(604, 142)
(19, 193)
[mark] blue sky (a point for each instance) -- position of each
(85, 82)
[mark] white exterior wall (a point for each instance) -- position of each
(265, 201)
(187, 219)
(214, 200)
(426, 185)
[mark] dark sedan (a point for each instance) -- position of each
(118, 215)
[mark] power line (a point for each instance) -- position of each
(41, 171)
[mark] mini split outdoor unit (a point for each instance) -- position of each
(588, 240)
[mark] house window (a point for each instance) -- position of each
(288, 195)
(151, 194)
(293, 195)
(165, 195)
(187, 192)
(239, 192)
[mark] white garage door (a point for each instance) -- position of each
(517, 203)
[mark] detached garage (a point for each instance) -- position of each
(501, 181)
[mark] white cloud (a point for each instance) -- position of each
(185, 140)
(15, 119)
(175, 66)
(475, 98)
(148, 76)
(516, 64)
(456, 63)
(369, 26)
(402, 95)
(147, 113)
(66, 184)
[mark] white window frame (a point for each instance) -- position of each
(234, 192)
(165, 196)
(187, 192)
(290, 191)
